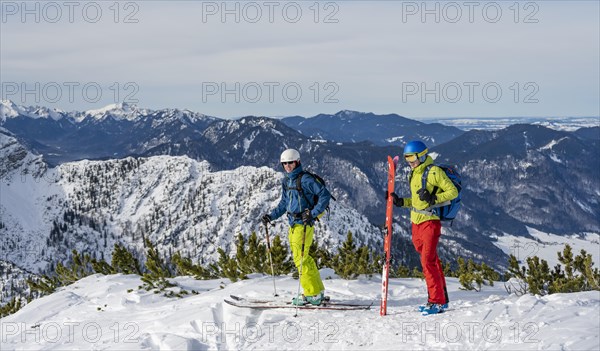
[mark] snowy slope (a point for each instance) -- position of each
(176, 202)
(547, 245)
(100, 313)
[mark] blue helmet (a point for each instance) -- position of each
(416, 147)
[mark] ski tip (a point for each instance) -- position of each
(396, 159)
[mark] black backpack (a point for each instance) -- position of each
(298, 188)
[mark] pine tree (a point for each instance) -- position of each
(256, 256)
(11, 307)
(102, 267)
(241, 256)
(80, 267)
(591, 275)
(185, 266)
(363, 265)
(416, 273)
(158, 272)
(514, 270)
(569, 281)
(402, 272)
(471, 274)
(376, 263)
(322, 256)
(123, 261)
(227, 267)
(466, 274)
(346, 258)
(282, 263)
(45, 285)
(489, 274)
(448, 272)
(538, 276)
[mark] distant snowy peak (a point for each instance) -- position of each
(189, 115)
(121, 111)
(350, 114)
(357, 115)
(118, 112)
(247, 125)
(252, 119)
(9, 109)
(167, 116)
(262, 122)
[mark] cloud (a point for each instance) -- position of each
(369, 49)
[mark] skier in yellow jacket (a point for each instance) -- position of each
(426, 226)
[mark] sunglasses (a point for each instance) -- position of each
(287, 163)
(411, 157)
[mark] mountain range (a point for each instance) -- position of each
(390, 129)
(191, 182)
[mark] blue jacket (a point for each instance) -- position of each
(294, 203)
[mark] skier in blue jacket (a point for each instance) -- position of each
(302, 210)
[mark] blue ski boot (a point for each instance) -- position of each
(422, 307)
(432, 308)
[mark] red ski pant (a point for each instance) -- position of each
(425, 237)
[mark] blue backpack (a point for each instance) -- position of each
(447, 210)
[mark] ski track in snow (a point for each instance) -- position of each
(110, 313)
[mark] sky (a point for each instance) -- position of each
(281, 58)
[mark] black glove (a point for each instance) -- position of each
(307, 218)
(398, 201)
(426, 196)
(266, 219)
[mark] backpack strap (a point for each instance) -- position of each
(301, 191)
(425, 175)
(429, 210)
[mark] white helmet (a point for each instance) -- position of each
(289, 155)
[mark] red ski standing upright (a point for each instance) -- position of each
(387, 243)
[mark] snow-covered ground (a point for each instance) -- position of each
(546, 245)
(110, 313)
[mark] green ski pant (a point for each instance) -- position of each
(311, 279)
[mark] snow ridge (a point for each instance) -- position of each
(109, 312)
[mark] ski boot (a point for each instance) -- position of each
(422, 307)
(316, 300)
(432, 308)
(299, 300)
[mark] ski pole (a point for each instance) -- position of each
(300, 270)
(270, 259)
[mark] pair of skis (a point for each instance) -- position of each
(239, 301)
(387, 242)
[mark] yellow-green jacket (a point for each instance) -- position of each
(446, 190)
